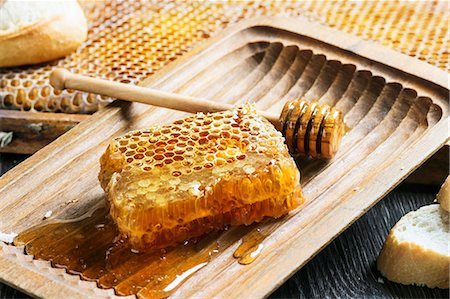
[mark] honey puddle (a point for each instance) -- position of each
(88, 246)
(250, 247)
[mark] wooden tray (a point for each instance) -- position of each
(396, 108)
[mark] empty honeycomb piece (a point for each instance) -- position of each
(175, 182)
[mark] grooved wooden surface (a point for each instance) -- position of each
(352, 255)
(129, 41)
(396, 120)
(347, 267)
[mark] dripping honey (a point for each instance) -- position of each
(89, 247)
(250, 247)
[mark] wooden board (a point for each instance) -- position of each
(396, 108)
(434, 171)
(31, 131)
(118, 53)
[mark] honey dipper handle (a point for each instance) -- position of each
(62, 79)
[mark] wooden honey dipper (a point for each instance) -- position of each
(310, 129)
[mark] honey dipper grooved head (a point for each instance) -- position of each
(311, 129)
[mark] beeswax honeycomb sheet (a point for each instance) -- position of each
(131, 40)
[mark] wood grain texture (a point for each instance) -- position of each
(396, 120)
(434, 171)
(34, 130)
(352, 254)
(346, 268)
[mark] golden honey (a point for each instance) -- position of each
(250, 248)
(88, 246)
(167, 184)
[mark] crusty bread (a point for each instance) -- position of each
(416, 250)
(443, 196)
(37, 31)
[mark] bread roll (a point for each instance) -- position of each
(37, 31)
(443, 196)
(416, 250)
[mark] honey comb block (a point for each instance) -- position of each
(178, 181)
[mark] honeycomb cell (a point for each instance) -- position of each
(159, 199)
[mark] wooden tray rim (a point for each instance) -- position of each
(352, 44)
(436, 136)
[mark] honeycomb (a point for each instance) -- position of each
(131, 40)
(174, 182)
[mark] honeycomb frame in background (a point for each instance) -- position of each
(168, 184)
(129, 41)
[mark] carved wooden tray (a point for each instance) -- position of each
(395, 107)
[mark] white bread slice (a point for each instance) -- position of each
(416, 250)
(37, 31)
(443, 196)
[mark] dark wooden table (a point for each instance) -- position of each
(346, 268)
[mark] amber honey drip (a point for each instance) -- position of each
(88, 246)
(250, 248)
